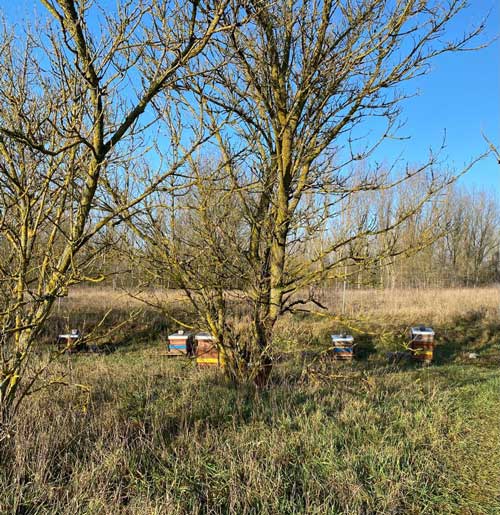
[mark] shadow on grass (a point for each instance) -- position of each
(472, 334)
(215, 405)
(365, 346)
(118, 329)
(473, 338)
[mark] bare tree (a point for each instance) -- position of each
(461, 225)
(299, 81)
(473, 235)
(74, 122)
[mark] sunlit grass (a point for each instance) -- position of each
(155, 435)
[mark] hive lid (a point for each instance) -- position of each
(179, 335)
(342, 338)
(422, 330)
(204, 336)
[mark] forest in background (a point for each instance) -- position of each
(464, 252)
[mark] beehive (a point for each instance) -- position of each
(71, 340)
(207, 352)
(180, 344)
(422, 344)
(343, 347)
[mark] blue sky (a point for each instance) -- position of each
(459, 97)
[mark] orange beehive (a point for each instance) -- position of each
(207, 352)
(422, 344)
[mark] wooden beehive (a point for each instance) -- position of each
(207, 352)
(343, 347)
(180, 344)
(422, 344)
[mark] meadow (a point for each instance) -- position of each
(134, 432)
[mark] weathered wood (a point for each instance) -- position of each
(422, 344)
(207, 351)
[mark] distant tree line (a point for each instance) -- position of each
(454, 242)
(466, 254)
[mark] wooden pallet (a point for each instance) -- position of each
(171, 354)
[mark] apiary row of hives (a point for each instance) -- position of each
(421, 346)
(204, 347)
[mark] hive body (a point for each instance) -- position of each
(207, 352)
(422, 344)
(71, 340)
(343, 347)
(180, 344)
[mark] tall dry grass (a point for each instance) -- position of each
(159, 437)
(116, 317)
(372, 312)
(434, 305)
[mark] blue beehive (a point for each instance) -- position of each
(343, 347)
(180, 344)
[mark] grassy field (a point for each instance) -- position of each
(138, 433)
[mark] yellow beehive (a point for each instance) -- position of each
(207, 351)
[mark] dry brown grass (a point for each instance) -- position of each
(158, 436)
(431, 306)
(109, 316)
(381, 310)
(409, 305)
(103, 298)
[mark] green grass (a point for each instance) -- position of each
(155, 435)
